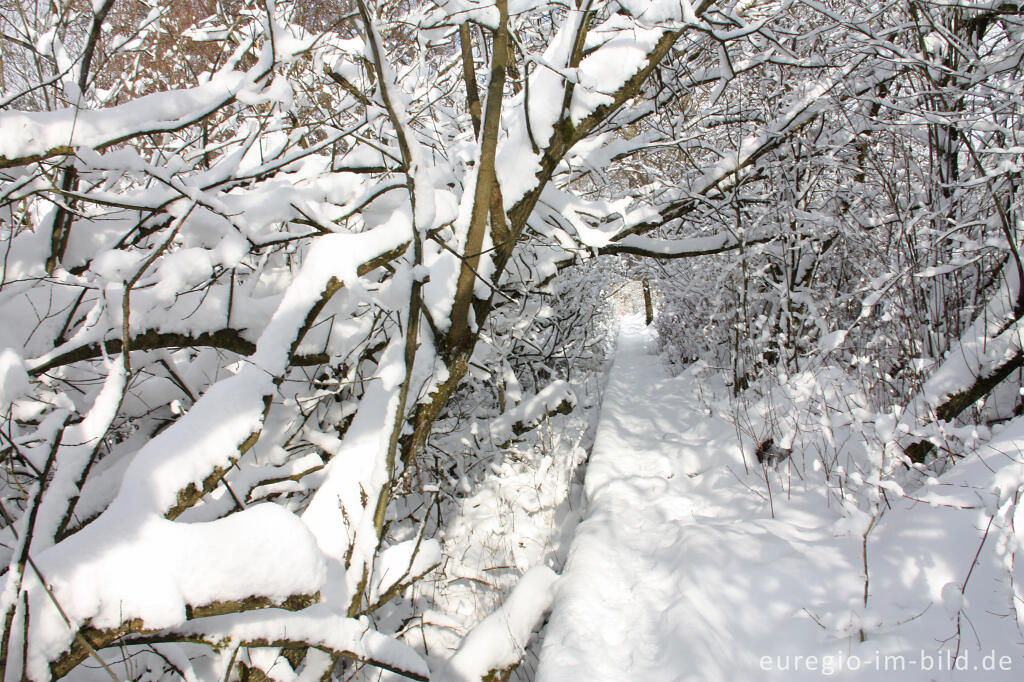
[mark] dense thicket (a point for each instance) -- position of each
(253, 251)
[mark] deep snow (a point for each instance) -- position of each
(684, 569)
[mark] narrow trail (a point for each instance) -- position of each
(678, 570)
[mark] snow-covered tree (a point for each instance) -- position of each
(247, 268)
(244, 284)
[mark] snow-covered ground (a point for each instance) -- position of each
(509, 512)
(694, 562)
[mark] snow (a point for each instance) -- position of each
(607, 69)
(532, 409)
(13, 378)
(75, 453)
(622, 53)
(987, 343)
(517, 164)
(661, 10)
(404, 561)
(676, 247)
(337, 257)
(340, 515)
(133, 563)
(659, 567)
(480, 11)
(30, 134)
(314, 625)
(695, 531)
(684, 568)
(150, 568)
(498, 641)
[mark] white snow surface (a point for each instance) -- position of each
(498, 640)
(13, 379)
(132, 562)
(34, 133)
(651, 576)
(532, 409)
(684, 568)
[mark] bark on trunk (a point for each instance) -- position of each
(648, 304)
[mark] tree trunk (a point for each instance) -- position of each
(648, 304)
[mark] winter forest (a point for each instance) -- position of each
(494, 340)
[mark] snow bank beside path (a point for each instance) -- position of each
(498, 642)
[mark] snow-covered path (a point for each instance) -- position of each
(668, 576)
